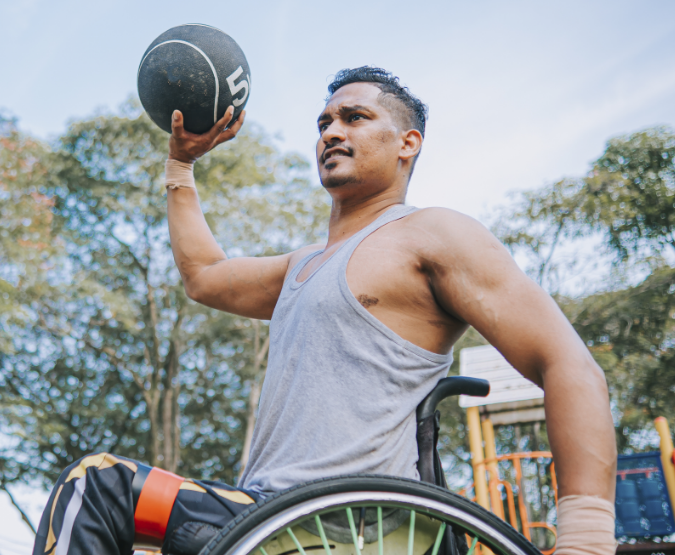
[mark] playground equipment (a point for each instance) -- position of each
(643, 505)
(645, 492)
(512, 400)
(508, 498)
(667, 460)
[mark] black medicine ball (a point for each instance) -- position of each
(196, 69)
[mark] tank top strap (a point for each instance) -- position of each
(396, 213)
(300, 265)
(332, 268)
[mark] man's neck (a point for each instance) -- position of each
(348, 217)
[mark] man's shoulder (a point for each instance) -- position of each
(447, 232)
(445, 223)
(437, 215)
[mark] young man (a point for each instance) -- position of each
(361, 330)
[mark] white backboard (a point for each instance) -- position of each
(507, 385)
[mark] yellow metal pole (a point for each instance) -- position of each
(661, 425)
(477, 458)
(493, 469)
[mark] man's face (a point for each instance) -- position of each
(359, 141)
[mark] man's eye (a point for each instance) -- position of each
(323, 127)
(354, 117)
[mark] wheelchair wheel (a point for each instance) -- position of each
(367, 515)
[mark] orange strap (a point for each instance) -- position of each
(155, 503)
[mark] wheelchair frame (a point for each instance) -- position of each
(281, 517)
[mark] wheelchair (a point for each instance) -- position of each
(377, 515)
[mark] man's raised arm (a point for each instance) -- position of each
(475, 279)
(246, 286)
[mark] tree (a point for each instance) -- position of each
(116, 358)
(630, 192)
(627, 202)
(537, 224)
(27, 244)
(630, 333)
(25, 221)
(628, 197)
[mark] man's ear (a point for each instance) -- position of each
(412, 143)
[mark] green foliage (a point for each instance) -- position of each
(628, 197)
(538, 223)
(631, 335)
(116, 358)
(627, 202)
(630, 193)
(26, 242)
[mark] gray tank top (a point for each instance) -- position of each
(341, 388)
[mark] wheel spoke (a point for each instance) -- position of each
(362, 527)
(439, 538)
(296, 542)
(324, 541)
(411, 533)
(473, 546)
(380, 535)
(262, 550)
(352, 527)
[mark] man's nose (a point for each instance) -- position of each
(335, 132)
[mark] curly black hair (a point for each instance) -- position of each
(415, 112)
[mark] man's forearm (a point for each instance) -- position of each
(193, 245)
(580, 428)
(581, 434)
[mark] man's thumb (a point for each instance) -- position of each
(176, 121)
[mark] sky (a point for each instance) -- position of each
(521, 93)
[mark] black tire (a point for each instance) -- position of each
(282, 508)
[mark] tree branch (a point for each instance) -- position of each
(138, 263)
(542, 268)
(24, 516)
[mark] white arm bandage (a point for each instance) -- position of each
(585, 526)
(179, 175)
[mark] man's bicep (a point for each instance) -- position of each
(484, 287)
(247, 286)
(525, 325)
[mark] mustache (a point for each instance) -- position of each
(337, 145)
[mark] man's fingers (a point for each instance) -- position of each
(237, 124)
(221, 124)
(231, 133)
(177, 124)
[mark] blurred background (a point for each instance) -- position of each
(551, 123)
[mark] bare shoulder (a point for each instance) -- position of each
(442, 233)
(446, 217)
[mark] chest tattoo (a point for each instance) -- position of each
(367, 301)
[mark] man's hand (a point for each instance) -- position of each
(187, 147)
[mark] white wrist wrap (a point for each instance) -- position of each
(585, 526)
(179, 175)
